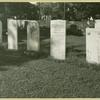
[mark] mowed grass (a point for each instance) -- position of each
(43, 77)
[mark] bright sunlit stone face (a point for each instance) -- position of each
(58, 36)
(12, 34)
(92, 45)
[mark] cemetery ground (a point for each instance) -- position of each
(40, 76)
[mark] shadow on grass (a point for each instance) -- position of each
(9, 59)
(76, 49)
(15, 58)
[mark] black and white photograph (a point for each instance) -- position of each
(49, 49)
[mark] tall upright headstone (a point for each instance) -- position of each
(0, 32)
(93, 45)
(33, 36)
(12, 34)
(58, 39)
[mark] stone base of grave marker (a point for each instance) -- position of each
(58, 37)
(93, 45)
(33, 36)
(12, 34)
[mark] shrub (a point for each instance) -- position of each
(73, 30)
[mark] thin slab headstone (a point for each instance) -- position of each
(0, 32)
(12, 34)
(58, 39)
(97, 24)
(93, 45)
(33, 36)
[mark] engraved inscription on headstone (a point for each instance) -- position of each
(92, 45)
(12, 34)
(58, 39)
(33, 38)
(0, 32)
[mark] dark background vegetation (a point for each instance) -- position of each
(69, 11)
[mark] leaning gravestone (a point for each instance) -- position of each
(58, 39)
(0, 32)
(33, 36)
(12, 34)
(93, 45)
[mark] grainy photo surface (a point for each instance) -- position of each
(49, 50)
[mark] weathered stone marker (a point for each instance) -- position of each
(33, 36)
(12, 34)
(0, 32)
(93, 45)
(58, 39)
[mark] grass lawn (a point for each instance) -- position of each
(24, 76)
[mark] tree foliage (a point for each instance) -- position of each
(21, 10)
(71, 11)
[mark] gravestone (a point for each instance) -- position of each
(58, 39)
(33, 36)
(97, 24)
(12, 34)
(93, 45)
(0, 32)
